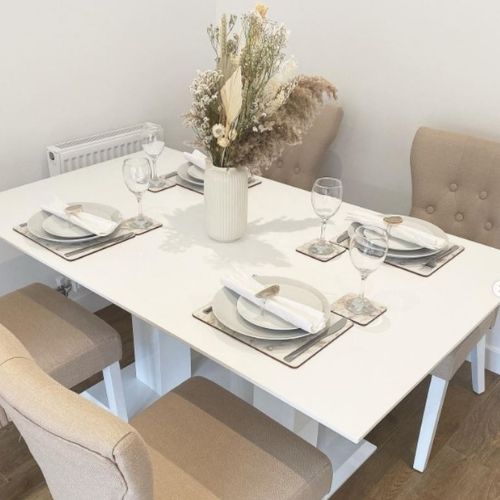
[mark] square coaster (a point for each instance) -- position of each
(339, 307)
(170, 181)
(137, 231)
(305, 249)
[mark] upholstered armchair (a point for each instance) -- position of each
(456, 185)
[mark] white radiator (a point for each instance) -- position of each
(78, 153)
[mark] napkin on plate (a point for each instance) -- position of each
(197, 158)
(401, 231)
(300, 315)
(90, 222)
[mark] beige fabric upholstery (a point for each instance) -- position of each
(456, 184)
(84, 451)
(298, 166)
(203, 443)
(207, 443)
(67, 341)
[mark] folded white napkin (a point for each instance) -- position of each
(300, 315)
(401, 231)
(197, 158)
(90, 222)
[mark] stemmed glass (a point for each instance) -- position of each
(153, 144)
(326, 198)
(368, 249)
(137, 176)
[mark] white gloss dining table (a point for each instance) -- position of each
(163, 276)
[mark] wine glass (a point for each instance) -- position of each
(153, 144)
(368, 249)
(326, 198)
(137, 176)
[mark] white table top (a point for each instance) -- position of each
(164, 275)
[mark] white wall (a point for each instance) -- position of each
(72, 68)
(398, 65)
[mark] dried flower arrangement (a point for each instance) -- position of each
(246, 110)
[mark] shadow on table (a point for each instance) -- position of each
(185, 228)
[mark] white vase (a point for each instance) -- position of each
(226, 202)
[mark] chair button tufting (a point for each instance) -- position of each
(296, 170)
(280, 163)
(459, 217)
(483, 195)
(453, 187)
(488, 226)
(430, 209)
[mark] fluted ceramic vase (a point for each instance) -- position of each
(226, 202)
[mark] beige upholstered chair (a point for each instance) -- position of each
(456, 185)
(197, 442)
(298, 166)
(67, 341)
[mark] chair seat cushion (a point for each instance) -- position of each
(207, 443)
(67, 341)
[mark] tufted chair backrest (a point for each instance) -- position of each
(298, 165)
(456, 184)
(84, 451)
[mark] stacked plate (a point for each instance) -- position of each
(403, 250)
(244, 317)
(49, 227)
(192, 174)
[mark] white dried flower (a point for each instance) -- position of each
(232, 134)
(223, 142)
(218, 130)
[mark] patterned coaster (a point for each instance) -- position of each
(75, 251)
(339, 307)
(170, 181)
(199, 189)
(276, 349)
(306, 250)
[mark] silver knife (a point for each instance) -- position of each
(320, 336)
(99, 244)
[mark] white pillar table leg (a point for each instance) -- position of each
(478, 355)
(430, 420)
(287, 416)
(346, 457)
(241, 388)
(162, 362)
(114, 390)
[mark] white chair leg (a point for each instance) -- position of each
(433, 406)
(114, 390)
(478, 355)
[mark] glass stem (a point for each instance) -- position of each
(140, 215)
(323, 230)
(362, 290)
(154, 175)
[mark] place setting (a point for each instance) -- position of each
(413, 244)
(283, 318)
(76, 229)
